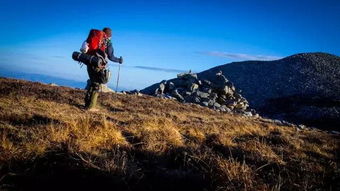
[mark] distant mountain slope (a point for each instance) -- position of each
(309, 73)
(302, 88)
(41, 78)
(48, 79)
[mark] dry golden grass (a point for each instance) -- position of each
(146, 143)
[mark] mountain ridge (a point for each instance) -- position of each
(237, 70)
(290, 88)
(303, 88)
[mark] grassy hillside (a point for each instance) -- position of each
(48, 142)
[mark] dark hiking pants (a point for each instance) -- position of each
(93, 89)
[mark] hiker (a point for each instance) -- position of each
(98, 44)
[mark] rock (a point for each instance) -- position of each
(187, 93)
(221, 78)
(232, 87)
(301, 126)
(213, 96)
(206, 83)
(221, 100)
(278, 122)
(240, 106)
(225, 108)
(134, 92)
(231, 103)
(206, 90)
(253, 111)
(193, 87)
(179, 82)
(218, 94)
(206, 104)
(193, 99)
(197, 100)
(104, 88)
(211, 103)
(219, 81)
(202, 94)
(237, 95)
(216, 105)
(187, 76)
(178, 96)
(167, 96)
(150, 90)
(227, 91)
(248, 114)
(52, 84)
(287, 123)
(171, 86)
(335, 132)
(161, 88)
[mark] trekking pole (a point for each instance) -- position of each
(118, 78)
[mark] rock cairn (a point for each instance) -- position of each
(219, 94)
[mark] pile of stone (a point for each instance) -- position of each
(219, 94)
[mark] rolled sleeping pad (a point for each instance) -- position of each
(87, 59)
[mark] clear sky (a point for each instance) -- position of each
(158, 38)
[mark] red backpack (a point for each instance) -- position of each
(96, 40)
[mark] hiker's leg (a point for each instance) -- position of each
(93, 96)
(88, 96)
(89, 86)
(93, 100)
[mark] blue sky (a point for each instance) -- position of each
(161, 38)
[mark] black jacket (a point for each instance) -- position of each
(110, 53)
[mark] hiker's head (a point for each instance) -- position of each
(108, 31)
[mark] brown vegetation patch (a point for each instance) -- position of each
(48, 142)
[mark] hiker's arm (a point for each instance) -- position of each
(110, 54)
(84, 47)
